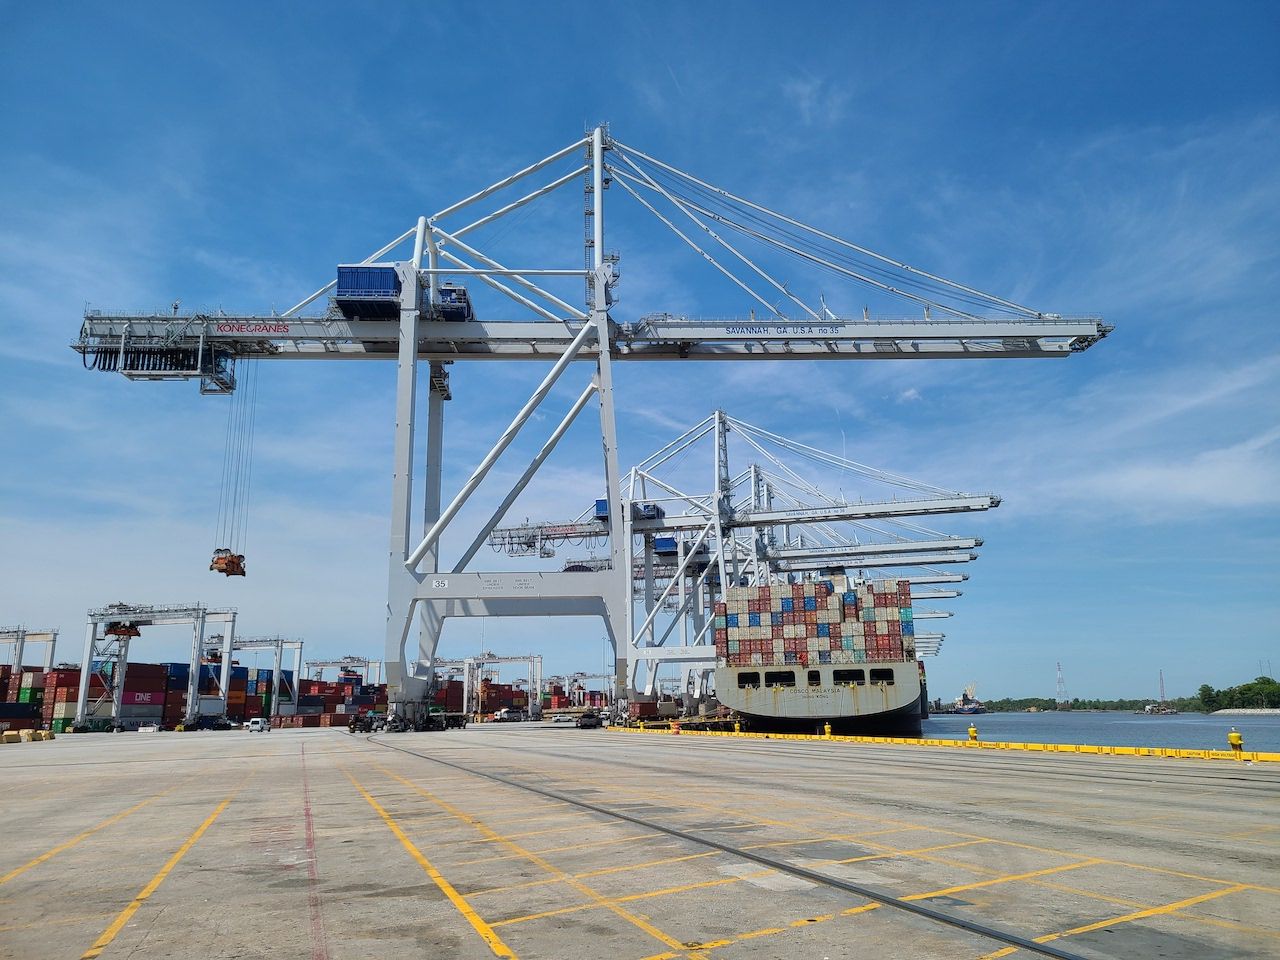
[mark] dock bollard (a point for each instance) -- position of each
(1235, 739)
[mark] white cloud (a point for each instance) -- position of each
(819, 102)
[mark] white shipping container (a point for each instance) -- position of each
(147, 711)
(212, 706)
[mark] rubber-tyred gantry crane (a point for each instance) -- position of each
(404, 310)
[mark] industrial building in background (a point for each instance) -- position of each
(403, 310)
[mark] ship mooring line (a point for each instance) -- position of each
(869, 893)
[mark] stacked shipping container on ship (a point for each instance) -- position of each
(799, 656)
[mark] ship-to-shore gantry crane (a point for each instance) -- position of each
(405, 309)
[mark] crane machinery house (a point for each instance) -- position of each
(371, 291)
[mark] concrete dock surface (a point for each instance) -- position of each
(592, 844)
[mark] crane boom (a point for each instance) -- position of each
(198, 346)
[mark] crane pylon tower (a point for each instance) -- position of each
(421, 320)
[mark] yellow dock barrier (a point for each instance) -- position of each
(1080, 748)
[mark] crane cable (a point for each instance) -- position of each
(237, 465)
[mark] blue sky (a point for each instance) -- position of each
(1082, 158)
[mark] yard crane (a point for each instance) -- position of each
(372, 669)
(225, 647)
(473, 676)
(20, 636)
(404, 310)
(106, 649)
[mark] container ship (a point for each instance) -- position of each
(796, 657)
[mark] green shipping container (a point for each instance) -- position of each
(62, 726)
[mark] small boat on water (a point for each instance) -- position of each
(1161, 708)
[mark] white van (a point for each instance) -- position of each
(258, 725)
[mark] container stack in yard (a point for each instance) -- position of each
(154, 693)
(820, 621)
(21, 697)
(322, 704)
(157, 694)
(145, 691)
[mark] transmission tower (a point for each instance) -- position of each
(1064, 703)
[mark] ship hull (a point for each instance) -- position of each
(850, 697)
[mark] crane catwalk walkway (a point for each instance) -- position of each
(538, 841)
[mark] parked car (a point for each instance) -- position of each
(589, 720)
(258, 725)
(562, 718)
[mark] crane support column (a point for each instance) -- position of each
(86, 670)
(401, 581)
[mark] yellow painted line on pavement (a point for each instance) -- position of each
(1010, 878)
(577, 846)
(127, 913)
(1127, 918)
(486, 932)
(81, 836)
(594, 873)
(609, 903)
(598, 898)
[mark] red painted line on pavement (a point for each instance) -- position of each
(319, 942)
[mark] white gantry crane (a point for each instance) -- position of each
(106, 648)
(760, 525)
(405, 309)
(20, 636)
(225, 647)
(472, 670)
(371, 670)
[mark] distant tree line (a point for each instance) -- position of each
(1262, 692)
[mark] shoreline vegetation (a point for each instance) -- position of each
(1260, 694)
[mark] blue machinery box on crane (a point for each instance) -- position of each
(372, 291)
(368, 290)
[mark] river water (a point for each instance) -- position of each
(1189, 731)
